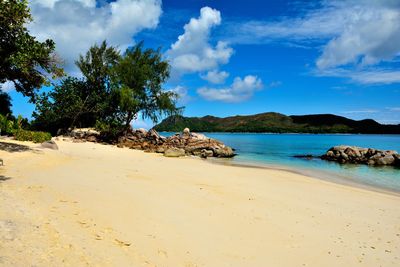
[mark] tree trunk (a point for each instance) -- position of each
(128, 120)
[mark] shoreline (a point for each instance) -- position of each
(270, 133)
(89, 204)
(313, 174)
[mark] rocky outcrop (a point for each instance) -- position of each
(191, 143)
(88, 134)
(360, 155)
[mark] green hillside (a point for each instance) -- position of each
(276, 123)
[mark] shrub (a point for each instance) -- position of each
(6, 125)
(36, 137)
(109, 130)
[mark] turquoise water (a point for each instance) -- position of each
(277, 150)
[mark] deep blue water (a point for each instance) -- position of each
(277, 150)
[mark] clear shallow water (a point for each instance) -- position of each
(277, 150)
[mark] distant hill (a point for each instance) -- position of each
(272, 122)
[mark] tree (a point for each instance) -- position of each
(139, 77)
(113, 91)
(24, 61)
(96, 67)
(80, 102)
(63, 106)
(5, 103)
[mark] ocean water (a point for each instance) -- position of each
(277, 151)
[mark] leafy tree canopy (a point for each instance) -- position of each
(80, 102)
(5, 103)
(139, 77)
(25, 61)
(113, 91)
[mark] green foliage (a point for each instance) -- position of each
(36, 137)
(114, 90)
(96, 66)
(63, 107)
(80, 102)
(24, 60)
(5, 103)
(138, 77)
(6, 125)
(110, 130)
(275, 123)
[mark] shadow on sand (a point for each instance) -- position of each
(4, 178)
(9, 147)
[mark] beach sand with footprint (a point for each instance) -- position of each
(94, 205)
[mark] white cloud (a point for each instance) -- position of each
(7, 86)
(192, 52)
(373, 76)
(75, 25)
(363, 111)
(351, 34)
(215, 76)
(140, 123)
(395, 109)
(183, 95)
(240, 90)
(372, 35)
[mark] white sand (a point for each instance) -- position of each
(95, 205)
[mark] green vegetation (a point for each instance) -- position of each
(5, 103)
(114, 90)
(36, 137)
(23, 60)
(276, 123)
(6, 125)
(138, 78)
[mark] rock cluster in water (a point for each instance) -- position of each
(360, 155)
(180, 144)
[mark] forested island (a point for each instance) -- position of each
(272, 122)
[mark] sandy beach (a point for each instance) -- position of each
(89, 204)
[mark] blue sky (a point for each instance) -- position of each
(246, 57)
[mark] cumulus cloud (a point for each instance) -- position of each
(215, 76)
(75, 25)
(352, 34)
(183, 95)
(192, 52)
(374, 76)
(372, 35)
(7, 86)
(240, 90)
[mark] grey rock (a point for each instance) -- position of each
(198, 136)
(224, 152)
(386, 160)
(357, 155)
(91, 138)
(160, 150)
(50, 145)
(206, 153)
